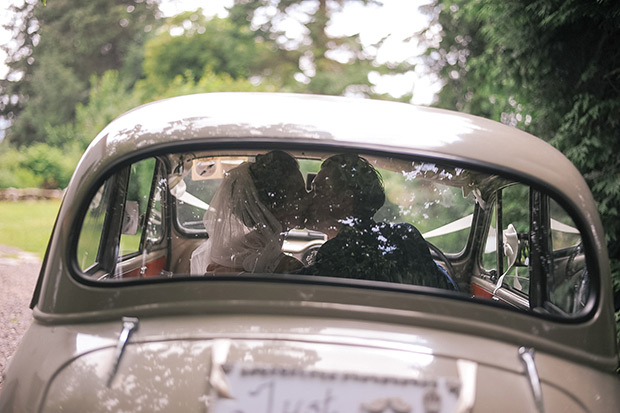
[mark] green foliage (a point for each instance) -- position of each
(60, 48)
(192, 54)
(12, 174)
(56, 87)
(190, 42)
(39, 165)
(551, 67)
(109, 97)
(209, 82)
(51, 164)
(590, 137)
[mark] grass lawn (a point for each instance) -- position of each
(27, 225)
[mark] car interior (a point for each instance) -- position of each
(148, 218)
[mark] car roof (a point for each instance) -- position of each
(340, 122)
(330, 120)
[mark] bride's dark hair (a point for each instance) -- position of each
(270, 171)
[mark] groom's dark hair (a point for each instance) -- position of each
(354, 173)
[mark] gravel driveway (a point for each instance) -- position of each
(18, 275)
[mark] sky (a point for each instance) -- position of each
(397, 18)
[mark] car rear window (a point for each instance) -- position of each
(361, 217)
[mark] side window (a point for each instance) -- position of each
(92, 228)
(538, 255)
(136, 206)
(568, 284)
(514, 219)
(123, 231)
(515, 244)
(154, 223)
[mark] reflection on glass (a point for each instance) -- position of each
(361, 217)
(92, 228)
(541, 223)
(138, 192)
(425, 198)
(569, 285)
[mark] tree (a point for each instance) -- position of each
(55, 51)
(109, 96)
(209, 82)
(551, 67)
(317, 61)
(190, 45)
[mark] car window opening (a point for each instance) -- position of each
(359, 217)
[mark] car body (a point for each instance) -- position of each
(122, 324)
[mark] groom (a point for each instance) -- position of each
(346, 194)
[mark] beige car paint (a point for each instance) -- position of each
(174, 351)
(77, 324)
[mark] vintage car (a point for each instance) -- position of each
(457, 265)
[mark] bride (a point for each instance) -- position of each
(255, 205)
